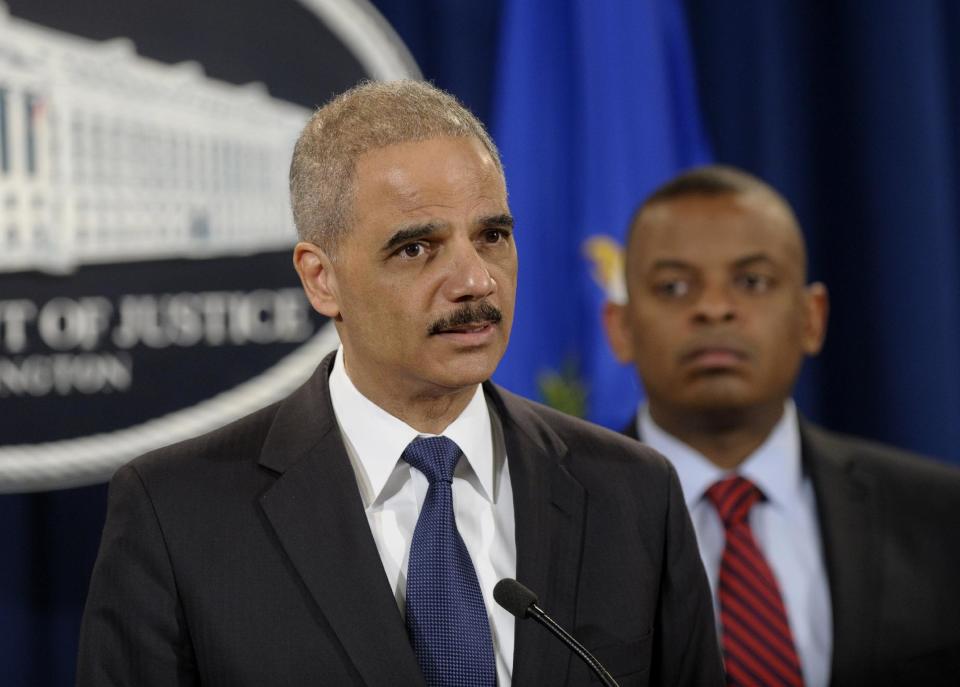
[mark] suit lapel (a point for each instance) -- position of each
(316, 511)
(549, 513)
(849, 512)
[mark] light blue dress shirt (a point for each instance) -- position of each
(785, 526)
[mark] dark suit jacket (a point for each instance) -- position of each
(890, 525)
(244, 557)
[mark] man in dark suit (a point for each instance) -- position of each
(833, 560)
(352, 533)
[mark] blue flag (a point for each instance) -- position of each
(595, 107)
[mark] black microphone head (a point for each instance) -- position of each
(514, 597)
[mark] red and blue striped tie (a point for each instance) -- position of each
(758, 646)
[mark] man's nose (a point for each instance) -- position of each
(716, 304)
(469, 278)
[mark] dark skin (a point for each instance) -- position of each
(719, 317)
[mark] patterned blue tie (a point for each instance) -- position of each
(446, 618)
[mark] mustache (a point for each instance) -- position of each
(465, 315)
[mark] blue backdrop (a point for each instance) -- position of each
(849, 108)
(594, 105)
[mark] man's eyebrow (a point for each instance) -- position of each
(504, 220)
(410, 233)
(748, 260)
(419, 231)
(670, 264)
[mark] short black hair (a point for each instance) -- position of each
(712, 181)
(709, 180)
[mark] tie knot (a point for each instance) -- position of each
(435, 457)
(733, 498)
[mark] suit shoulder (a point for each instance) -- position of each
(586, 439)
(885, 462)
(238, 441)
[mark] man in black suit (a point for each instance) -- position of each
(841, 567)
(293, 547)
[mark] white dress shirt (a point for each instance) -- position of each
(393, 494)
(785, 527)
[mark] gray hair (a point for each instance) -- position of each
(367, 117)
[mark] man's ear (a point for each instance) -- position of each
(317, 276)
(817, 306)
(618, 331)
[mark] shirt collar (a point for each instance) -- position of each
(375, 439)
(775, 467)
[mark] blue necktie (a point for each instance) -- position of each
(446, 617)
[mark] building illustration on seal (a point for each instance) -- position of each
(107, 156)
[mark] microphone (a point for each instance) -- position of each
(522, 603)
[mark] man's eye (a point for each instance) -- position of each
(495, 235)
(674, 288)
(412, 250)
(754, 282)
